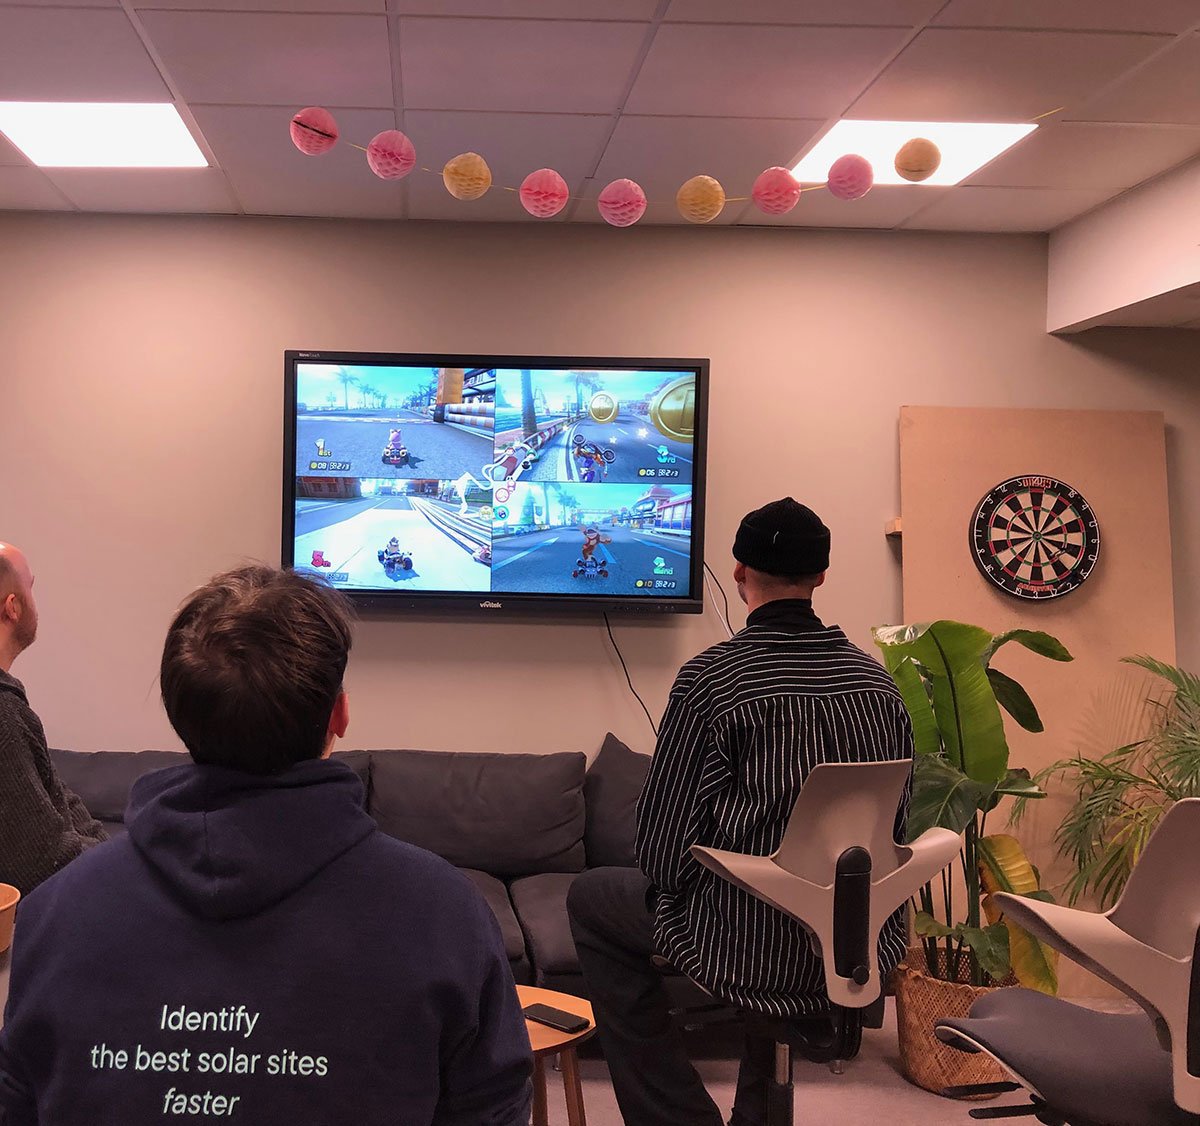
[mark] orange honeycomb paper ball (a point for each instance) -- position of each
(700, 199)
(918, 159)
(467, 176)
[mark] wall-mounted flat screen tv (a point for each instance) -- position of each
(497, 482)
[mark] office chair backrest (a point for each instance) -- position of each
(838, 870)
(843, 806)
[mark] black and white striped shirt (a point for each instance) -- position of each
(745, 723)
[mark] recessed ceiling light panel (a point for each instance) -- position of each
(100, 135)
(966, 147)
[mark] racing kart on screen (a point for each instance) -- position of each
(395, 455)
(590, 568)
(595, 458)
(393, 559)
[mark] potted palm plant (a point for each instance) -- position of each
(1120, 797)
(961, 774)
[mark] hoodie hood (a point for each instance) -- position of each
(231, 845)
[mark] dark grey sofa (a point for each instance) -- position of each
(521, 826)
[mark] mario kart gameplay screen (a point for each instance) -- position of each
(475, 480)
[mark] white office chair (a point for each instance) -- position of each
(1091, 1068)
(841, 875)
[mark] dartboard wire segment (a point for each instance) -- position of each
(1035, 537)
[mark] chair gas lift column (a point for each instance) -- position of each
(1087, 1068)
(840, 874)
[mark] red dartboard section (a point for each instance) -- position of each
(1035, 537)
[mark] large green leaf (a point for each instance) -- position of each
(920, 710)
(989, 943)
(1017, 783)
(1015, 700)
(943, 796)
(1003, 866)
(968, 717)
(1034, 640)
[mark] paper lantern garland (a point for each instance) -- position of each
(850, 177)
(776, 191)
(467, 176)
(314, 131)
(622, 203)
(918, 159)
(544, 193)
(391, 155)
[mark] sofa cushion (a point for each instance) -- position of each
(541, 903)
(496, 895)
(510, 815)
(610, 793)
(103, 779)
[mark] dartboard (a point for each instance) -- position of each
(1035, 537)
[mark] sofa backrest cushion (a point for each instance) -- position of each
(610, 793)
(509, 815)
(103, 779)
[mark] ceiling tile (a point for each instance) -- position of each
(530, 9)
(1068, 155)
(723, 70)
(9, 153)
(957, 75)
(883, 13)
(513, 144)
(522, 66)
(181, 191)
(271, 177)
(1173, 16)
(882, 207)
(339, 7)
(81, 54)
(26, 189)
(264, 58)
(660, 153)
(1004, 209)
(1167, 90)
(60, 3)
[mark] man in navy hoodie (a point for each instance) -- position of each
(255, 951)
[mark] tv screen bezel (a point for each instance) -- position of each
(486, 602)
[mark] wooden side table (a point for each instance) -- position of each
(548, 1042)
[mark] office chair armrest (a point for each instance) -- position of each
(927, 856)
(1156, 981)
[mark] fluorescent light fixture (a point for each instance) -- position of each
(966, 147)
(100, 135)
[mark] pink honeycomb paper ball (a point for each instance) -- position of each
(622, 203)
(544, 193)
(391, 155)
(850, 177)
(776, 191)
(314, 131)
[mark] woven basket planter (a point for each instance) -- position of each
(921, 1001)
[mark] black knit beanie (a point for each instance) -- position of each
(783, 538)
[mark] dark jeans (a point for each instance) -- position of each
(655, 1082)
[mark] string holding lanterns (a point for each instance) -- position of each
(391, 155)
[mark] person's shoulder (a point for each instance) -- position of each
(91, 876)
(864, 672)
(417, 871)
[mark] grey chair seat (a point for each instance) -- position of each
(1094, 1068)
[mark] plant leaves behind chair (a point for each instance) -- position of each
(1004, 867)
(954, 699)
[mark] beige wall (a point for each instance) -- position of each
(141, 371)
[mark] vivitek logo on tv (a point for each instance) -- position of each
(490, 605)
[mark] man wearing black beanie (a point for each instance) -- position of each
(746, 721)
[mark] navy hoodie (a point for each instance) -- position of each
(256, 952)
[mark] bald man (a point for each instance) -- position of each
(42, 824)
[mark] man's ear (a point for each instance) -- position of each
(10, 608)
(339, 718)
(820, 580)
(739, 572)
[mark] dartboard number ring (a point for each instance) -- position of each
(1035, 537)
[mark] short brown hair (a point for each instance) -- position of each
(252, 666)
